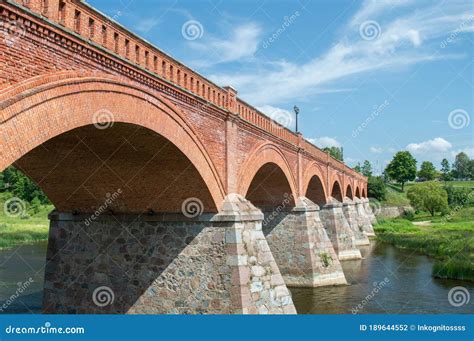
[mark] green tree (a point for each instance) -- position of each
(428, 196)
(335, 152)
(446, 170)
(358, 168)
(21, 186)
(461, 166)
(402, 168)
(427, 171)
(376, 188)
(367, 169)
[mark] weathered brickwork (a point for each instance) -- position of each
(169, 135)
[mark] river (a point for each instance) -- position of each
(387, 280)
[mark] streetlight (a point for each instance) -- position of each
(297, 111)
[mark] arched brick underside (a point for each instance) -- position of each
(137, 169)
(357, 193)
(270, 189)
(316, 192)
(363, 194)
(49, 107)
(349, 192)
(271, 155)
(336, 192)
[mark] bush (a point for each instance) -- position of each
(458, 196)
(429, 196)
(409, 214)
(376, 188)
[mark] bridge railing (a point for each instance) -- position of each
(82, 19)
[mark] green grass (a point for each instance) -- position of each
(395, 196)
(23, 230)
(450, 243)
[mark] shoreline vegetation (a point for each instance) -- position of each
(451, 243)
(23, 227)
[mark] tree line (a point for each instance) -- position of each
(429, 195)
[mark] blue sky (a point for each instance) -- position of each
(374, 77)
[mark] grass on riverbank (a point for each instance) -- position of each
(450, 242)
(32, 227)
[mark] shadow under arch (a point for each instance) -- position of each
(42, 108)
(336, 191)
(133, 246)
(349, 192)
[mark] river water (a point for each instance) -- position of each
(387, 280)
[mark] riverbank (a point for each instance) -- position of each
(449, 241)
(28, 227)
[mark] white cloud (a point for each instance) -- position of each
(325, 141)
(397, 46)
(468, 151)
(242, 43)
(436, 145)
(376, 150)
(282, 116)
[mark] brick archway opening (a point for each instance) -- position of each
(336, 192)
(363, 193)
(349, 192)
(270, 189)
(139, 169)
(357, 193)
(315, 191)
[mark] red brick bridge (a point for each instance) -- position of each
(171, 193)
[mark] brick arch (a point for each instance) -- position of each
(46, 107)
(349, 193)
(357, 192)
(271, 159)
(336, 191)
(314, 188)
(363, 193)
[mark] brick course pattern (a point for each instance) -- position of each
(88, 110)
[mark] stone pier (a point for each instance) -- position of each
(350, 212)
(368, 211)
(339, 231)
(163, 264)
(364, 220)
(301, 247)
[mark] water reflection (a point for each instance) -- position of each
(409, 289)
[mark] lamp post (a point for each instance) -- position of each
(297, 111)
